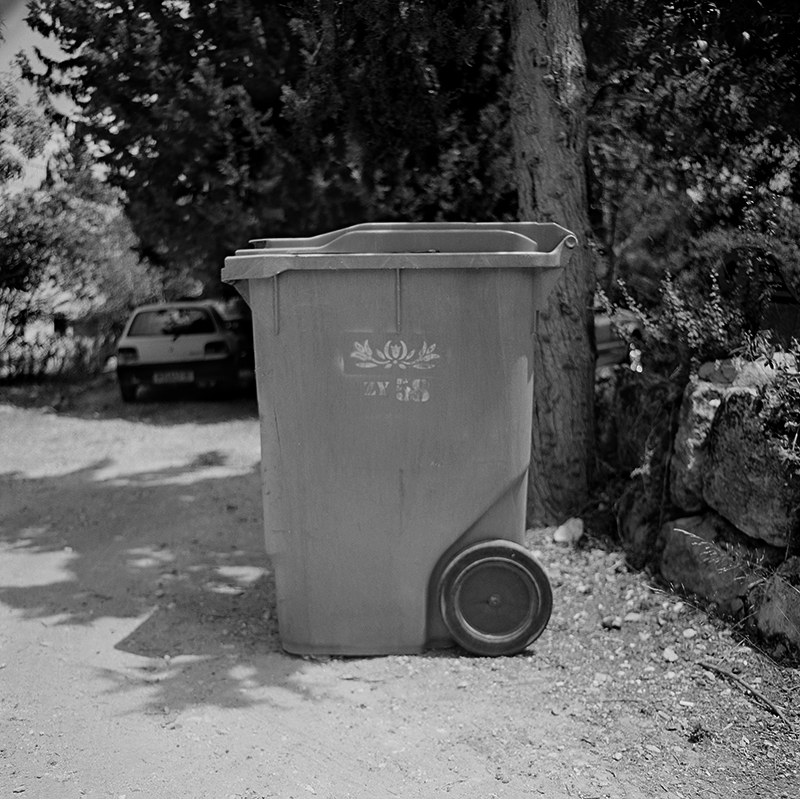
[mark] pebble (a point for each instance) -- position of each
(689, 633)
(670, 655)
(570, 532)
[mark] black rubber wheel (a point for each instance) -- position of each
(495, 598)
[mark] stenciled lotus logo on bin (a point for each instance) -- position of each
(395, 353)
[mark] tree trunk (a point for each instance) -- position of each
(548, 120)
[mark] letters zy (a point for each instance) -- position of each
(404, 390)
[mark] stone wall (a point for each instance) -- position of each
(726, 527)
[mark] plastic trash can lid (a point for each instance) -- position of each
(408, 246)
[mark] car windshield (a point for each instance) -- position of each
(172, 322)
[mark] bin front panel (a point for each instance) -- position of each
(396, 410)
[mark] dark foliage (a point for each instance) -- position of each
(415, 98)
(183, 104)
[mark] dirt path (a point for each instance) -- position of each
(139, 656)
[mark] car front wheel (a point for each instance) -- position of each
(128, 392)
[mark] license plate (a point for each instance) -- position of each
(173, 377)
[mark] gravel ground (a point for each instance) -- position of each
(139, 654)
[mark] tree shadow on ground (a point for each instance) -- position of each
(99, 398)
(178, 550)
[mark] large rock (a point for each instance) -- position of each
(701, 400)
(777, 617)
(736, 372)
(687, 465)
(703, 555)
(745, 480)
(727, 466)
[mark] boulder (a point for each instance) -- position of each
(701, 400)
(737, 493)
(745, 480)
(777, 616)
(737, 372)
(701, 555)
(687, 464)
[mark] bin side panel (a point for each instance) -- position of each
(505, 518)
(395, 411)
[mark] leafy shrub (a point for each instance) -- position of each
(714, 298)
(687, 328)
(67, 252)
(46, 355)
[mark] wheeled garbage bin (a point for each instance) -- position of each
(395, 384)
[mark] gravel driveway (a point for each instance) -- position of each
(139, 655)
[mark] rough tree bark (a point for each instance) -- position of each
(548, 122)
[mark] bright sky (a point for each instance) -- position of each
(18, 36)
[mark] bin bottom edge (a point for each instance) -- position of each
(359, 651)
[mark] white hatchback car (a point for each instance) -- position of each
(178, 344)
